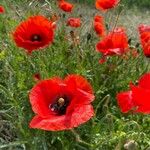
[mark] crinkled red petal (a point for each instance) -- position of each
(80, 98)
(79, 116)
(55, 123)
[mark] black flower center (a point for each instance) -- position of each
(60, 105)
(36, 37)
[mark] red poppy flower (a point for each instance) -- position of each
(74, 22)
(115, 43)
(144, 31)
(106, 4)
(99, 25)
(138, 98)
(2, 10)
(65, 6)
(34, 33)
(61, 104)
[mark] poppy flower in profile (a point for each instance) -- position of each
(115, 43)
(2, 10)
(61, 104)
(65, 6)
(144, 31)
(74, 22)
(106, 4)
(99, 25)
(34, 33)
(137, 99)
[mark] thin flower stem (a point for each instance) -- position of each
(147, 65)
(116, 20)
(78, 139)
(110, 21)
(105, 98)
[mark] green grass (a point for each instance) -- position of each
(128, 3)
(109, 129)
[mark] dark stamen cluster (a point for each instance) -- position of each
(36, 37)
(60, 105)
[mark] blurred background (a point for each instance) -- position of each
(129, 3)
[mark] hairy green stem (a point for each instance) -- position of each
(78, 139)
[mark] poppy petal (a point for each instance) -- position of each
(74, 22)
(2, 10)
(53, 123)
(42, 94)
(125, 101)
(141, 98)
(79, 116)
(65, 6)
(99, 29)
(144, 81)
(81, 98)
(106, 4)
(115, 43)
(144, 31)
(81, 83)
